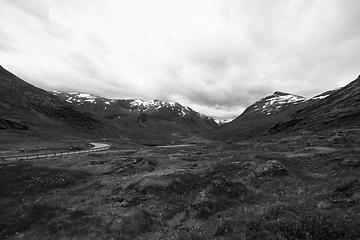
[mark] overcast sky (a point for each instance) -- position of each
(217, 57)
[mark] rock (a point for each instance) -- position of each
(138, 159)
(351, 162)
(202, 197)
(337, 139)
(177, 219)
(271, 167)
(304, 132)
(323, 204)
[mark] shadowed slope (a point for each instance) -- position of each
(341, 109)
(26, 107)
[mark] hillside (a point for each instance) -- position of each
(259, 117)
(26, 107)
(27, 111)
(340, 110)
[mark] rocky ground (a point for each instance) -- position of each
(290, 187)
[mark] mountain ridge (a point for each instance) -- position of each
(340, 109)
(258, 118)
(137, 113)
(26, 107)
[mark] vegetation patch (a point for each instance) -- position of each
(156, 193)
(47, 220)
(303, 222)
(19, 179)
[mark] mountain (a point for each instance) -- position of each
(28, 108)
(154, 115)
(339, 110)
(274, 103)
(259, 117)
(221, 122)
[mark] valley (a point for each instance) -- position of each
(288, 187)
(285, 168)
(179, 120)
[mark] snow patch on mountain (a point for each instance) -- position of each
(274, 103)
(135, 105)
(222, 121)
(85, 95)
(320, 97)
(78, 97)
(202, 116)
(283, 99)
(155, 105)
(141, 105)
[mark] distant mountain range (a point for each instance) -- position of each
(154, 115)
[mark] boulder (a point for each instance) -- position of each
(337, 139)
(272, 168)
(351, 162)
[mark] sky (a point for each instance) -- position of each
(215, 56)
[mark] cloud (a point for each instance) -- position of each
(218, 56)
(38, 9)
(5, 41)
(232, 66)
(39, 13)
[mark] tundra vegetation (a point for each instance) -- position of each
(284, 187)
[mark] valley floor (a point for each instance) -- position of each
(301, 187)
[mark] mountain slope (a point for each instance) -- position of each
(340, 109)
(258, 118)
(26, 107)
(155, 115)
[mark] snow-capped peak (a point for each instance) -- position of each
(133, 105)
(282, 98)
(275, 102)
(81, 97)
(141, 105)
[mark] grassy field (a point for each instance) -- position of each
(205, 190)
(18, 144)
